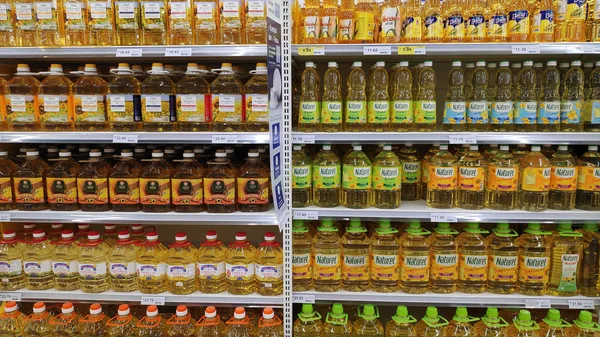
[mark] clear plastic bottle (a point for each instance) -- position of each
(584, 326)
(415, 262)
(461, 323)
(444, 259)
(327, 250)
(355, 257)
(519, 21)
(67, 322)
(37, 262)
(153, 18)
(346, 22)
(95, 323)
(61, 183)
(378, 111)
(269, 266)
(308, 323)
(128, 22)
(92, 183)
(476, 25)
(534, 182)
(257, 97)
(38, 324)
(590, 266)
(497, 21)
(384, 258)
(534, 260)
(477, 108)
(433, 150)
(411, 172)
(567, 253)
(331, 105)
(591, 119)
(442, 179)
(455, 109)
(525, 114)
(572, 99)
(355, 109)
(158, 100)
(239, 325)
(123, 102)
(123, 324)
(563, 179)
(22, 107)
(432, 324)
(433, 22)
(473, 259)
(588, 193)
(472, 169)
(55, 100)
(220, 184)
(502, 180)
(210, 261)
(93, 272)
(523, 325)
(402, 102)
(100, 24)
(206, 22)
(548, 114)
(240, 266)
(387, 179)
(326, 178)
(124, 183)
(151, 265)
(153, 324)
(425, 102)
(553, 326)
(12, 321)
(7, 169)
(368, 323)
(227, 100)
(231, 22)
(253, 185)
(49, 28)
(122, 264)
(503, 260)
(155, 184)
(301, 178)
(302, 259)
(12, 276)
(402, 324)
(192, 99)
(7, 25)
(575, 20)
(186, 181)
(542, 25)
(181, 266)
(29, 182)
(210, 325)
(179, 22)
(89, 101)
(356, 179)
(65, 262)
(454, 21)
(491, 325)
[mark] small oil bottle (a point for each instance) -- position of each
(534, 260)
(455, 106)
(193, 99)
(92, 183)
(93, 271)
(472, 169)
(155, 184)
(355, 252)
(567, 253)
(152, 324)
(153, 17)
(269, 266)
(151, 265)
(402, 103)
(37, 262)
(411, 172)
(415, 262)
(473, 259)
(22, 108)
(66, 323)
(7, 169)
(122, 264)
(331, 105)
(181, 266)
(240, 266)
(220, 185)
(502, 181)
(255, 24)
(56, 100)
(29, 182)
(503, 260)
(356, 179)
(443, 255)
(158, 100)
(326, 178)
(49, 29)
(525, 114)
(387, 179)
(227, 100)
(95, 323)
(548, 115)
(327, 250)
(355, 108)
(210, 260)
(124, 183)
(590, 266)
(123, 103)
(12, 275)
(231, 22)
(535, 171)
(477, 109)
(61, 183)
(180, 18)
(501, 112)
(378, 110)
(310, 99)
(253, 185)
(563, 179)
(302, 261)
(65, 262)
(186, 182)
(425, 105)
(206, 22)
(433, 150)
(89, 101)
(442, 179)
(588, 193)
(573, 99)
(591, 120)
(301, 178)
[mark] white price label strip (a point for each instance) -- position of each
(306, 215)
(4, 216)
(125, 139)
(137, 52)
(441, 217)
(537, 304)
(462, 139)
(299, 298)
(152, 300)
(178, 52)
(13, 296)
(526, 49)
(224, 139)
(303, 139)
(581, 304)
(377, 50)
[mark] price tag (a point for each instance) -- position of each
(526, 49)
(537, 304)
(579, 50)
(581, 304)
(177, 52)
(137, 52)
(125, 139)
(306, 215)
(152, 300)
(412, 50)
(4, 216)
(441, 217)
(224, 139)
(10, 297)
(311, 51)
(462, 139)
(300, 298)
(377, 50)
(303, 139)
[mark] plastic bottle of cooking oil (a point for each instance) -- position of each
(124, 183)
(501, 114)
(384, 258)
(231, 22)
(24, 25)
(502, 180)
(38, 323)
(180, 16)
(210, 261)
(331, 106)
(535, 171)
(66, 323)
(563, 179)
(123, 103)
(346, 21)
(337, 322)
(356, 179)
(61, 183)
(93, 274)
(210, 324)
(442, 179)
(28, 182)
(56, 100)
(11, 266)
(7, 168)
(588, 193)
(192, 99)
(326, 178)
(477, 109)
(180, 324)
(89, 95)
(310, 100)
(534, 260)
(269, 266)
(366, 18)
(327, 250)
(461, 323)
(158, 100)
(308, 323)
(455, 109)
(65, 262)
(128, 22)
(572, 99)
(590, 269)
(206, 22)
(425, 106)
(355, 253)
(257, 97)
(387, 179)
(548, 115)
(95, 323)
(92, 183)
(520, 151)
(220, 184)
(240, 325)
(187, 178)
(37, 262)
(567, 252)
(415, 260)
(49, 28)
(591, 113)
(473, 259)
(411, 172)
(542, 25)
(302, 260)
(433, 22)
(255, 25)
(227, 103)
(269, 325)
(502, 260)
(476, 25)
(523, 326)
(498, 21)
(433, 150)
(153, 17)
(253, 185)
(519, 21)
(12, 321)
(454, 21)
(22, 108)
(83, 229)
(525, 114)
(402, 103)
(412, 28)
(152, 324)
(575, 20)
(490, 325)
(240, 266)
(472, 169)
(552, 325)
(181, 266)
(301, 178)
(402, 324)
(368, 323)
(432, 324)
(444, 259)
(110, 235)
(584, 326)
(378, 112)
(155, 184)
(123, 324)
(100, 24)
(355, 109)
(151, 265)
(122, 264)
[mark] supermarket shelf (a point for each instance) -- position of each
(137, 137)
(566, 138)
(118, 297)
(448, 300)
(171, 218)
(419, 210)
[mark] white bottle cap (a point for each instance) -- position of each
(261, 67)
(357, 147)
(404, 64)
(126, 154)
(93, 236)
(504, 64)
(480, 64)
(551, 63)
(239, 313)
(387, 148)
(123, 310)
(90, 68)
(597, 63)
(268, 313)
(240, 236)
(157, 67)
(83, 226)
(211, 235)
(10, 306)
(220, 154)
(269, 236)
(3, 153)
(593, 148)
(123, 235)
(380, 64)
(39, 233)
(503, 147)
(309, 65)
(9, 234)
(297, 147)
(32, 153)
(95, 309)
(588, 65)
(474, 147)
(252, 154)
(326, 147)
(470, 65)
(563, 148)
(151, 236)
(356, 64)
(23, 68)
(39, 307)
(169, 151)
(188, 155)
(226, 66)
(67, 234)
(443, 147)
(157, 154)
(536, 148)
(456, 63)
(428, 64)
(527, 63)
(564, 65)
(67, 308)
(152, 311)
(576, 63)
(52, 149)
(181, 311)
(56, 68)
(180, 236)
(332, 64)
(64, 154)
(210, 312)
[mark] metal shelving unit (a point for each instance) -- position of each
(137, 137)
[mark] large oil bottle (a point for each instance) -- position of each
(534, 172)
(302, 259)
(220, 185)
(65, 266)
(37, 262)
(231, 22)
(411, 172)
(355, 109)
(186, 183)
(180, 17)
(387, 179)
(61, 183)
(257, 99)
(327, 178)
(127, 22)
(122, 264)
(124, 183)
(384, 258)
(588, 192)
(181, 266)
(210, 260)
(269, 266)
(155, 184)
(240, 266)
(253, 185)
(123, 103)
(206, 22)
(502, 260)
(473, 259)
(56, 100)
(455, 109)
(415, 259)
(158, 100)
(443, 255)
(22, 108)
(590, 266)
(567, 253)
(302, 183)
(49, 28)
(92, 183)
(153, 18)
(472, 169)
(192, 100)
(355, 257)
(227, 100)
(425, 105)
(310, 100)
(93, 271)
(442, 179)
(327, 250)
(356, 179)
(433, 150)
(502, 181)
(29, 182)
(89, 101)
(534, 260)
(151, 265)
(11, 255)
(563, 179)
(7, 169)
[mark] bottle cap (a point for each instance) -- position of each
(576, 63)
(524, 317)
(297, 147)
(90, 68)
(66, 234)
(309, 65)
(404, 63)
(67, 308)
(492, 312)
(211, 235)
(56, 68)
(56, 226)
(356, 64)
(188, 154)
(480, 64)
(210, 312)
(157, 154)
(585, 316)
(553, 315)
(83, 226)
(428, 64)
(332, 64)
(152, 236)
(380, 64)
(123, 235)
(269, 236)
(157, 67)
(369, 311)
(39, 307)
(564, 65)
(551, 63)
(39, 233)
(474, 147)
(431, 313)
(126, 153)
(588, 65)
(10, 306)
(590, 226)
(593, 148)
(504, 147)
(456, 63)
(181, 311)
(461, 312)
(253, 154)
(239, 313)
(387, 147)
(95, 309)
(95, 153)
(226, 66)
(261, 67)
(268, 313)
(504, 64)
(152, 311)
(9, 234)
(597, 64)
(326, 147)
(181, 236)
(563, 148)
(536, 148)
(108, 228)
(357, 147)
(527, 63)
(516, 65)
(240, 236)
(32, 152)
(444, 147)
(307, 308)
(23, 68)
(538, 65)
(123, 66)
(93, 236)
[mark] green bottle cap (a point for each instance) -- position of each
(491, 312)
(443, 227)
(534, 226)
(402, 316)
(472, 225)
(402, 311)
(307, 309)
(431, 314)
(355, 223)
(369, 312)
(564, 227)
(297, 223)
(385, 224)
(524, 318)
(327, 223)
(503, 227)
(585, 316)
(584, 321)
(553, 319)
(461, 312)
(337, 309)
(590, 226)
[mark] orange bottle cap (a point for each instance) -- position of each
(210, 312)
(67, 308)
(181, 311)
(124, 309)
(95, 309)
(239, 313)
(10, 306)
(152, 311)
(39, 307)
(268, 313)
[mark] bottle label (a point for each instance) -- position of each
(589, 178)
(124, 108)
(412, 28)
(128, 14)
(454, 113)
(455, 27)
(503, 268)
(387, 178)
(24, 15)
(187, 191)
(29, 190)
(193, 108)
(61, 190)
(180, 15)
(21, 108)
(356, 112)
(525, 113)
(301, 266)
(355, 267)
(391, 26)
(425, 112)
(570, 112)
(346, 29)
(596, 10)
(206, 16)
(155, 191)
(576, 10)
(536, 179)
(473, 267)
(561, 9)
(533, 269)
(92, 271)
(471, 179)
(434, 28)
(153, 16)
(385, 268)
(326, 177)
(54, 109)
(379, 112)
(411, 172)
(364, 26)
(301, 176)
(444, 267)
(498, 27)
(37, 268)
(124, 191)
(442, 178)
(268, 273)
(502, 179)
(549, 113)
(568, 277)
(476, 29)
(563, 178)
(92, 191)
(47, 16)
(331, 112)
(156, 108)
(181, 272)
(257, 108)
(543, 22)
(402, 112)
(89, 108)
(415, 269)
(477, 113)
(230, 9)
(425, 170)
(518, 22)
(64, 269)
(211, 271)
(240, 272)
(122, 270)
(6, 13)
(329, 27)
(356, 177)
(253, 191)
(219, 191)
(327, 267)
(10, 268)
(309, 112)
(255, 9)
(151, 271)
(6, 194)
(101, 15)
(312, 27)
(74, 13)
(502, 113)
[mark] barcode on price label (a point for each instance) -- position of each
(299, 298)
(306, 215)
(175, 52)
(4, 216)
(152, 300)
(581, 304)
(377, 50)
(125, 139)
(303, 139)
(537, 304)
(462, 139)
(440, 217)
(526, 49)
(224, 139)
(136, 52)
(10, 297)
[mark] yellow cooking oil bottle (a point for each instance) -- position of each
(368, 323)
(61, 183)
(411, 172)
(123, 324)
(7, 168)
(567, 251)
(461, 323)
(240, 324)
(548, 114)
(591, 114)
(415, 259)
(7, 24)
(12, 321)
(151, 265)
(231, 22)
(11, 266)
(455, 106)
(355, 257)
(542, 25)
(308, 323)
(355, 108)
(491, 324)
(385, 249)
(432, 324)
(433, 150)
(365, 21)
(210, 262)
(269, 266)
(22, 108)
(153, 22)
(501, 112)
(92, 183)
(122, 264)
(575, 20)
(588, 190)
(206, 23)
(473, 259)
(584, 326)
(523, 325)
(590, 267)
(472, 170)
(477, 107)
(503, 259)
(302, 259)
(327, 250)
(387, 179)
(402, 324)
(128, 22)
(563, 179)
(497, 22)
(302, 177)
(525, 113)
(553, 325)
(401, 99)
(356, 179)
(433, 21)
(124, 183)
(210, 324)
(310, 100)
(257, 98)
(220, 184)
(180, 15)
(425, 105)
(24, 24)
(49, 28)
(55, 100)
(443, 255)
(345, 22)
(65, 262)
(253, 184)
(331, 104)
(38, 323)
(412, 28)
(89, 100)
(534, 260)
(93, 271)
(100, 23)
(67, 322)
(454, 21)
(477, 23)
(186, 181)
(442, 179)
(158, 100)
(37, 262)
(181, 323)
(193, 100)
(153, 324)
(94, 324)
(255, 24)
(573, 99)
(28, 182)
(155, 184)
(240, 266)
(326, 178)
(391, 22)
(227, 100)
(519, 21)
(502, 180)
(337, 322)
(123, 102)
(535, 171)
(378, 110)
(181, 266)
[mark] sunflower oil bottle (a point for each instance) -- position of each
(387, 179)
(588, 191)
(7, 25)
(472, 168)
(534, 260)
(455, 110)
(205, 25)
(432, 324)
(257, 97)
(378, 111)
(240, 266)
(301, 178)
(37, 262)
(575, 20)
(158, 100)
(402, 324)
(67, 322)
(100, 23)
(590, 267)
(443, 254)
(49, 27)
(231, 22)
(355, 254)
(523, 326)
(180, 324)
(567, 252)
(128, 21)
(355, 108)
(38, 323)
(210, 325)
(368, 323)
(326, 178)
(122, 264)
(123, 102)
(591, 119)
(331, 105)
(210, 261)
(155, 184)
(253, 185)
(302, 260)
(92, 183)
(28, 182)
(563, 179)
(502, 260)
(153, 22)
(7, 168)
(548, 114)
(337, 323)
(542, 26)
(535, 171)
(425, 105)
(433, 22)
(180, 16)
(93, 271)
(192, 98)
(123, 324)
(356, 179)
(497, 22)
(61, 183)
(65, 262)
(519, 21)
(220, 184)
(187, 179)
(12, 276)
(384, 258)
(477, 108)
(552, 325)
(572, 99)
(269, 266)
(402, 103)
(89, 95)
(124, 183)
(95, 323)
(56, 99)
(473, 259)
(327, 265)
(415, 262)
(25, 19)
(461, 323)
(310, 100)
(442, 179)
(151, 265)
(454, 21)
(152, 324)
(328, 17)
(227, 100)
(584, 326)
(12, 321)
(411, 172)
(520, 151)
(308, 323)
(22, 108)
(525, 114)
(181, 266)
(433, 150)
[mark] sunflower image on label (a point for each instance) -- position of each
(153, 16)
(386, 178)
(471, 179)
(219, 191)
(576, 10)
(155, 191)
(124, 108)
(454, 113)
(412, 28)
(525, 113)
(518, 22)
(570, 112)
(455, 27)
(327, 177)
(227, 108)
(74, 13)
(301, 176)
(533, 269)
(472, 267)
(89, 108)
(21, 108)
(543, 22)
(549, 113)
(444, 267)
(92, 271)
(193, 108)
(477, 113)
(151, 271)
(503, 268)
(498, 27)
(180, 15)
(434, 28)
(47, 16)
(122, 270)
(124, 191)
(411, 172)
(29, 190)
(156, 108)
(536, 179)
(379, 112)
(61, 190)
(415, 268)
(594, 112)
(402, 112)
(503, 179)
(563, 178)
(37, 268)
(256, 108)
(92, 191)
(589, 178)
(312, 27)
(425, 112)
(128, 15)
(210, 271)
(442, 178)
(187, 191)
(240, 272)
(6, 194)
(253, 191)
(24, 19)
(331, 112)
(101, 15)
(568, 276)
(301, 267)
(476, 27)
(385, 268)
(356, 177)
(10, 268)
(356, 112)
(181, 272)
(54, 109)
(391, 26)
(363, 26)
(346, 29)
(268, 273)
(327, 267)
(6, 17)
(310, 112)
(502, 113)
(329, 27)
(355, 267)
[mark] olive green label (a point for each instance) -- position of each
(309, 112)
(379, 112)
(402, 112)
(356, 177)
(425, 112)
(411, 172)
(356, 112)
(331, 113)
(301, 176)
(326, 176)
(387, 178)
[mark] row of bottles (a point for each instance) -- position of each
(497, 178)
(561, 262)
(53, 23)
(116, 261)
(310, 323)
(126, 104)
(68, 322)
